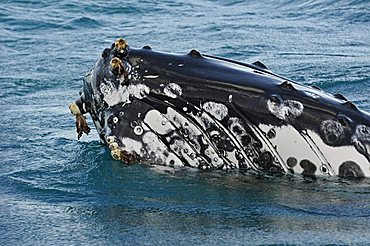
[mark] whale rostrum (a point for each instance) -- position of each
(208, 112)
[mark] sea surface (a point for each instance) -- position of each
(55, 190)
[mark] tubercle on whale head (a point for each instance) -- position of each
(120, 48)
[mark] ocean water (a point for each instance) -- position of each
(55, 190)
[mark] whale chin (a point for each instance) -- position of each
(207, 112)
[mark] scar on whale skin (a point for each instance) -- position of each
(350, 169)
(284, 109)
(333, 131)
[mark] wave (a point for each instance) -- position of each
(83, 22)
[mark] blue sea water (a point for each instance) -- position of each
(55, 190)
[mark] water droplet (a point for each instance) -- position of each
(230, 98)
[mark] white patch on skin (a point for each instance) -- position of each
(231, 156)
(237, 138)
(181, 122)
(113, 96)
(190, 130)
(182, 148)
(205, 121)
(131, 145)
(236, 122)
(337, 155)
(285, 110)
(289, 143)
(172, 90)
(154, 145)
(158, 122)
(215, 159)
(145, 127)
(189, 149)
(217, 110)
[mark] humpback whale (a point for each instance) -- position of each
(207, 112)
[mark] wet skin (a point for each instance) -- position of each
(208, 112)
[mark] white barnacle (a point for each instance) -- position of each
(217, 110)
(117, 154)
(111, 139)
(172, 90)
(138, 130)
(113, 145)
